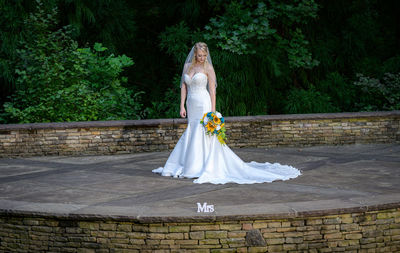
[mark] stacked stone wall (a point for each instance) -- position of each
(370, 231)
(118, 137)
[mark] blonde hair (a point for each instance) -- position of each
(202, 46)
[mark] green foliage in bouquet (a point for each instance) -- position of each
(214, 124)
(58, 81)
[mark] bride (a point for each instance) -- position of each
(201, 156)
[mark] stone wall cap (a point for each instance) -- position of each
(92, 124)
(174, 121)
(200, 218)
(316, 116)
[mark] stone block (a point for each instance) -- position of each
(216, 234)
(174, 236)
(285, 229)
(175, 229)
(297, 223)
(209, 241)
(258, 249)
(137, 241)
(222, 250)
(295, 240)
(204, 227)
(333, 236)
(272, 235)
(293, 234)
(349, 227)
(89, 225)
(108, 226)
(124, 227)
(230, 227)
(372, 233)
(247, 226)
(277, 241)
(152, 242)
(191, 242)
(236, 234)
(355, 236)
(157, 229)
(197, 235)
(367, 240)
(331, 221)
(274, 224)
(155, 236)
(394, 231)
(258, 225)
(313, 222)
(85, 250)
(254, 238)
(169, 242)
(43, 229)
(30, 222)
(233, 241)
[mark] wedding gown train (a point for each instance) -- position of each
(201, 156)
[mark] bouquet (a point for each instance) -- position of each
(214, 124)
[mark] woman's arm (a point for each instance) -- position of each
(183, 99)
(212, 86)
(212, 91)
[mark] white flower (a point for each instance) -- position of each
(205, 120)
(218, 127)
(219, 115)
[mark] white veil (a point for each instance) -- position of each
(190, 60)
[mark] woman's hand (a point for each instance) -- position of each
(183, 112)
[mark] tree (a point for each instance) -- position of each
(252, 45)
(12, 30)
(58, 81)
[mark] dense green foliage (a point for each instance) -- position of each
(58, 81)
(384, 94)
(250, 51)
(270, 56)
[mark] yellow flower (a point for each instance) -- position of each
(216, 120)
(210, 126)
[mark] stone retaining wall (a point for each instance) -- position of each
(358, 231)
(116, 137)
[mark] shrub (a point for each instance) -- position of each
(57, 81)
(379, 95)
(308, 101)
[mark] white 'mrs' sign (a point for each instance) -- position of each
(205, 208)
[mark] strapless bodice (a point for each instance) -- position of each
(197, 83)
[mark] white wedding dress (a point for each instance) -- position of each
(201, 156)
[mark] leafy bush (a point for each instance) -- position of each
(245, 26)
(169, 106)
(175, 40)
(308, 101)
(57, 81)
(339, 90)
(234, 30)
(379, 95)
